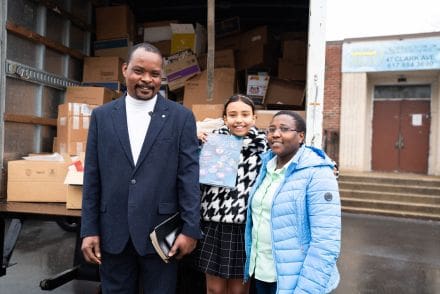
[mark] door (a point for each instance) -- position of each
(401, 135)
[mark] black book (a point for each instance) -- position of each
(164, 235)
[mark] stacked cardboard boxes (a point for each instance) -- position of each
(72, 127)
(172, 37)
(196, 88)
(115, 31)
(292, 65)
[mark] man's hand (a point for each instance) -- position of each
(91, 249)
(182, 246)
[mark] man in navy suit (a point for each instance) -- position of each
(141, 167)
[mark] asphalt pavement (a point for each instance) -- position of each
(379, 255)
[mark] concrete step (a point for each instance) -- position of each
(391, 205)
(396, 179)
(387, 212)
(390, 196)
(386, 187)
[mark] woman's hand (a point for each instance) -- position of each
(202, 136)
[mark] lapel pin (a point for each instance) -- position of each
(163, 115)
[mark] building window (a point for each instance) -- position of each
(402, 92)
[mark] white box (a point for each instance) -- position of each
(156, 34)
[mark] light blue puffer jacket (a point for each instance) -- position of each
(306, 224)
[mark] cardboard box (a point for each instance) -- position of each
(295, 51)
(259, 55)
(180, 67)
(36, 181)
(256, 36)
(74, 196)
(73, 126)
(164, 47)
(89, 95)
(294, 36)
(103, 69)
(202, 111)
(159, 23)
(75, 109)
(71, 148)
(222, 58)
(284, 92)
(113, 47)
(288, 70)
(116, 86)
(74, 181)
(264, 117)
(154, 34)
(227, 27)
(114, 22)
(201, 40)
(196, 88)
(183, 37)
(230, 42)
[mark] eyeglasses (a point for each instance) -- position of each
(282, 129)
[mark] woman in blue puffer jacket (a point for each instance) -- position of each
(293, 228)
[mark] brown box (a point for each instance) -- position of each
(113, 47)
(74, 181)
(36, 181)
(196, 88)
(294, 36)
(227, 27)
(222, 58)
(259, 55)
(284, 92)
(164, 47)
(256, 36)
(72, 127)
(103, 69)
(288, 70)
(90, 95)
(264, 117)
(230, 42)
(180, 67)
(202, 111)
(114, 22)
(74, 196)
(295, 51)
(159, 23)
(72, 148)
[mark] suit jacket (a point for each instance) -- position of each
(122, 200)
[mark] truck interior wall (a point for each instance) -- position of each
(22, 97)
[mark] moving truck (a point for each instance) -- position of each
(275, 49)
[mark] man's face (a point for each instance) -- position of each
(143, 74)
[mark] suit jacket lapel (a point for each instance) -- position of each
(119, 117)
(158, 119)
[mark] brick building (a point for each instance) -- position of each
(382, 103)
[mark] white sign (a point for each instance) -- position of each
(416, 119)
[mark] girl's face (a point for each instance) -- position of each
(239, 118)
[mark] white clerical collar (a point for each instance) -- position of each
(141, 103)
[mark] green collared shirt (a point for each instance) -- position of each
(262, 264)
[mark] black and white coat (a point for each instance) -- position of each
(220, 204)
